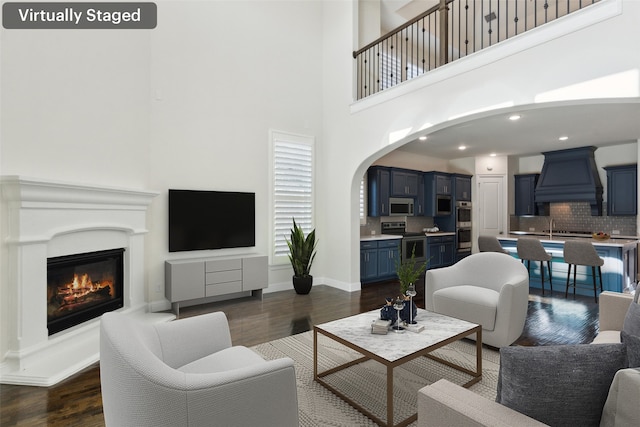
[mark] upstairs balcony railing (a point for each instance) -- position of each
(448, 31)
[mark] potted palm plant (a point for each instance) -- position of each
(302, 251)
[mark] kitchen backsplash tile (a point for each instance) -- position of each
(576, 216)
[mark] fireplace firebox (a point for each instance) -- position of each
(81, 287)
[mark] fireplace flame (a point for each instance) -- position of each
(82, 287)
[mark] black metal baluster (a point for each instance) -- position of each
(378, 67)
(406, 55)
(459, 24)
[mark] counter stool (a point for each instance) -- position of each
(490, 244)
(577, 253)
(530, 249)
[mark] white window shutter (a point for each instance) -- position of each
(292, 189)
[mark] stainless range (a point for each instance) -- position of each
(411, 241)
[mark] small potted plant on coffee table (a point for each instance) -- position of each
(409, 271)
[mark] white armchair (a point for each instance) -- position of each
(187, 373)
(487, 288)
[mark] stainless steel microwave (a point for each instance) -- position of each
(400, 206)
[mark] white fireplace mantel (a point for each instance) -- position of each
(43, 219)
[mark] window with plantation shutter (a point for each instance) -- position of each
(363, 200)
(292, 189)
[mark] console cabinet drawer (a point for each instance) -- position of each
(223, 277)
(223, 288)
(222, 265)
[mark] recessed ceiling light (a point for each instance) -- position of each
(563, 138)
(423, 138)
(492, 154)
(514, 117)
(462, 147)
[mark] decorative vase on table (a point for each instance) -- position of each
(387, 312)
(302, 251)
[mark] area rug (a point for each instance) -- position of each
(366, 382)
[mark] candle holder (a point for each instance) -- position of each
(411, 292)
(398, 304)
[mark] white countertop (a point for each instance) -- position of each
(375, 237)
(561, 238)
(380, 237)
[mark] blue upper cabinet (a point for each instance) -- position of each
(622, 189)
(525, 185)
(462, 187)
(378, 190)
(437, 183)
(443, 184)
(437, 190)
(404, 183)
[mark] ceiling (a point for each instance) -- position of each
(394, 13)
(538, 129)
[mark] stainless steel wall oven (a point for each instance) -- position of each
(463, 226)
(463, 214)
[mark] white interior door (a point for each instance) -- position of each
(490, 204)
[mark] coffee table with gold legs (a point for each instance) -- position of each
(395, 349)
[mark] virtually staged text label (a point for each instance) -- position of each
(79, 15)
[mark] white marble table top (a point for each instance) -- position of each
(393, 346)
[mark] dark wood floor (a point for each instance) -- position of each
(77, 400)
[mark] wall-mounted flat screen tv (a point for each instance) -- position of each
(200, 220)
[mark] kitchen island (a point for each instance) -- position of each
(619, 254)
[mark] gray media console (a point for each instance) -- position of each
(207, 278)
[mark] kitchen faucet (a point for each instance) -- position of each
(550, 228)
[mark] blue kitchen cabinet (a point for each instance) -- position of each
(388, 254)
(378, 190)
(438, 183)
(368, 261)
(525, 186)
(378, 259)
(437, 190)
(622, 185)
(440, 251)
(404, 183)
(462, 184)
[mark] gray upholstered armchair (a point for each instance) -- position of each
(187, 373)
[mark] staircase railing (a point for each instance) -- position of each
(448, 31)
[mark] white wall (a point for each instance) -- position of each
(75, 105)
(223, 74)
(402, 159)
